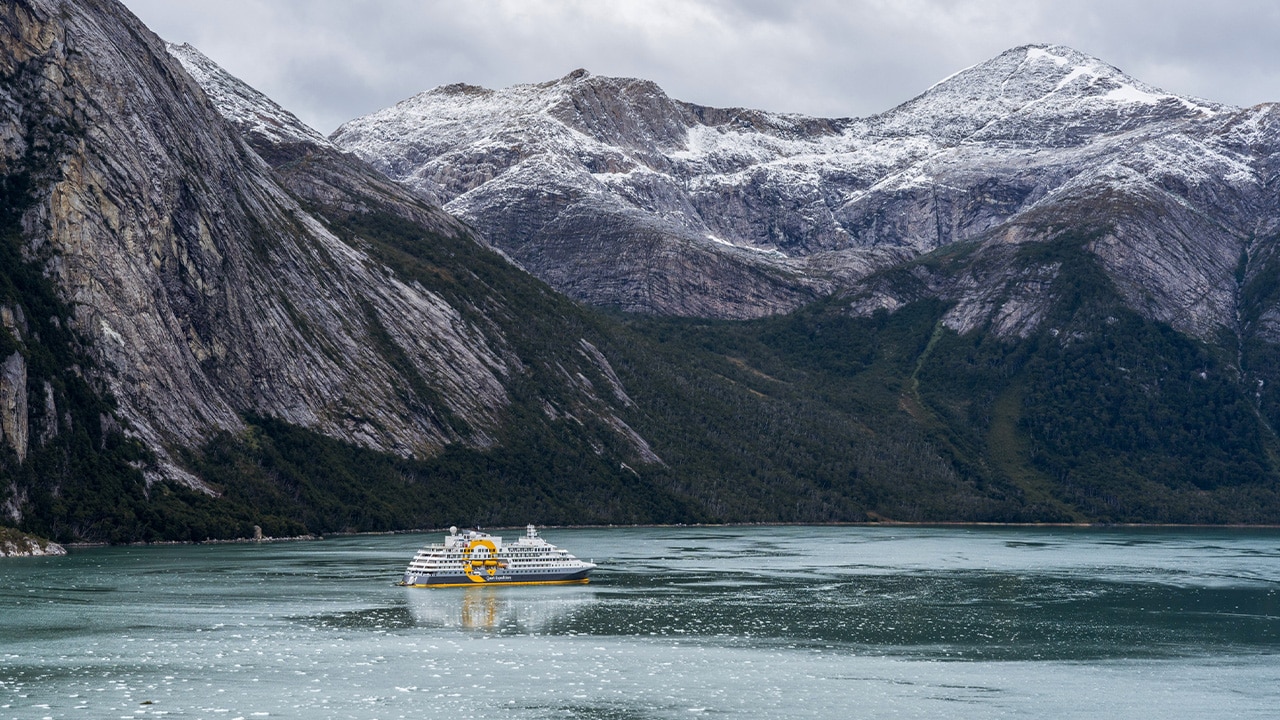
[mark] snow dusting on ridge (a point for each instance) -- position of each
(1032, 127)
(252, 111)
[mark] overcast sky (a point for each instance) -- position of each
(332, 60)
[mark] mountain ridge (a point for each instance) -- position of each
(805, 206)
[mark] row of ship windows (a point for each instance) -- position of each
(455, 556)
(500, 554)
(482, 560)
(457, 564)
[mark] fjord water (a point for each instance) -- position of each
(794, 622)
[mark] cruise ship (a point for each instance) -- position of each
(472, 557)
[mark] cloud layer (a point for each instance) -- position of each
(331, 60)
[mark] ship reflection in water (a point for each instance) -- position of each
(504, 609)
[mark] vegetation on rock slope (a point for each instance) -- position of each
(816, 416)
(811, 417)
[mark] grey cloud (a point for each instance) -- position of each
(332, 60)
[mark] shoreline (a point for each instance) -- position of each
(879, 523)
(212, 541)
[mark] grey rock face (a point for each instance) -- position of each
(49, 421)
(14, 428)
(193, 323)
(737, 213)
(573, 179)
(205, 288)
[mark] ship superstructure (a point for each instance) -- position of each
(473, 558)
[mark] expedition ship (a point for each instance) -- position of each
(473, 557)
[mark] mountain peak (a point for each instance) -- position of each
(1028, 72)
(1060, 55)
(1038, 85)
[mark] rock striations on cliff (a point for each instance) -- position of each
(198, 290)
(616, 194)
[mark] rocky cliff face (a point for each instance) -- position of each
(1070, 142)
(562, 173)
(14, 425)
(200, 290)
(203, 282)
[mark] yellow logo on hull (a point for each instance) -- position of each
(477, 568)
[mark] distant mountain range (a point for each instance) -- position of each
(618, 195)
(1040, 291)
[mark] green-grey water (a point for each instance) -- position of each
(803, 622)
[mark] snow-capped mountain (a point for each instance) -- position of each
(619, 195)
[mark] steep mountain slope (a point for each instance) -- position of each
(158, 264)
(1017, 140)
(164, 283)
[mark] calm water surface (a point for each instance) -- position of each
(678, 623)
